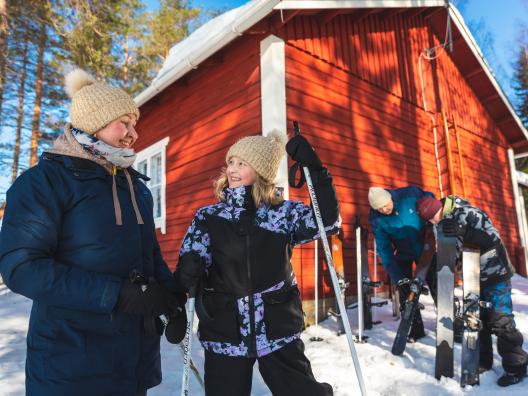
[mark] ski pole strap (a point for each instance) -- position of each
(296, 167)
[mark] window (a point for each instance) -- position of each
(151, 162)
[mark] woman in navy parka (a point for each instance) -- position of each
(77, 228)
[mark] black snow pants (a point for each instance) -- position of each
(499, 321)
(286, 372)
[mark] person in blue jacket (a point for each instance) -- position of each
(78, 238)
(400, 239)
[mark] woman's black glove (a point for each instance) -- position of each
(451, 227)
(189, 271)
(152, 299)
(303, 153)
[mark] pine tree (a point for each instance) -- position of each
(43, 36)
(166, 27)
(521, 84)
(3, 50)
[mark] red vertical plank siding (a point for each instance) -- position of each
(217, 105)
(355, 88)
(375, 132)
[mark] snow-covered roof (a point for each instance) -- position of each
(220, 31)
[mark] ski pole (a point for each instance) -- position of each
(187, 344)
(333, 274)
(193, 368)
(361, 324)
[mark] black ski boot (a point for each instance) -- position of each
(510, 379)
(417, 329)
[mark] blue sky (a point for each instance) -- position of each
(503, 19)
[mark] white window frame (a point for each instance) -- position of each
(160, 147)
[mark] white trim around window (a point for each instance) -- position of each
(151, 161)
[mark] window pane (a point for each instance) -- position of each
(156, 195)
(142, 167)
(156, 169)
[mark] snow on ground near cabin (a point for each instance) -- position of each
(384, 374)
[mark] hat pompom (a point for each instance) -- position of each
(77, 79)
(278, 137)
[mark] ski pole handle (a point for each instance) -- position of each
(296, 129)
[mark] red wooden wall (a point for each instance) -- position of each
(354, 85)
(203, 113)
(355, 88)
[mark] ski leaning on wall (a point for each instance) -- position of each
(446, 248)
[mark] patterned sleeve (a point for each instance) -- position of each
(303, 226)
(197, 239)
(480, 229)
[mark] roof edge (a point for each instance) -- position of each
(252, 16)
(333, 4)
(249, 18)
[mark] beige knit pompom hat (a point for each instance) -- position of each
(263, 153)
(378, 197)
(94, 103)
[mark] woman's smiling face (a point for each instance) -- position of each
(119, 133)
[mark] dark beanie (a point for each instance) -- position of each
(427, 207)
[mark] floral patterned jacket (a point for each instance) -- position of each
(249, 303)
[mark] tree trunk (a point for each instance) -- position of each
(35, 133)
(3, 49)
(20, 109)
(126, 82)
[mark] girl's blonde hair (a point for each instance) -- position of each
(263, 191)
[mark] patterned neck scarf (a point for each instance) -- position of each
(240, 197)
(122, 157)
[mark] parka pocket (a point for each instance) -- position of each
(283, 314)
(218, 314)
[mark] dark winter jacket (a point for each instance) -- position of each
(495, 265)
(60, 246)
(249, 303)
(400, 235)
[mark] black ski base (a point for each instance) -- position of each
(444, 361)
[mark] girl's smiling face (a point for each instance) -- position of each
(240, 173)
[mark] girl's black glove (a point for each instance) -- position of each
(303, 153)
(175, 330)
(189, 271)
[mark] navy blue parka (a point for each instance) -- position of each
(60, 246)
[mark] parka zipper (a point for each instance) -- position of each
(253, 348)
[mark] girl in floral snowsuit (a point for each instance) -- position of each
(238, 251)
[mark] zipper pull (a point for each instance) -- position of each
(114, 169)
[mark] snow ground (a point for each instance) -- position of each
(411, 374)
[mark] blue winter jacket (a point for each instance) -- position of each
(60, 246)
(400, 235)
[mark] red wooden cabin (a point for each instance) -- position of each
(351, 73)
